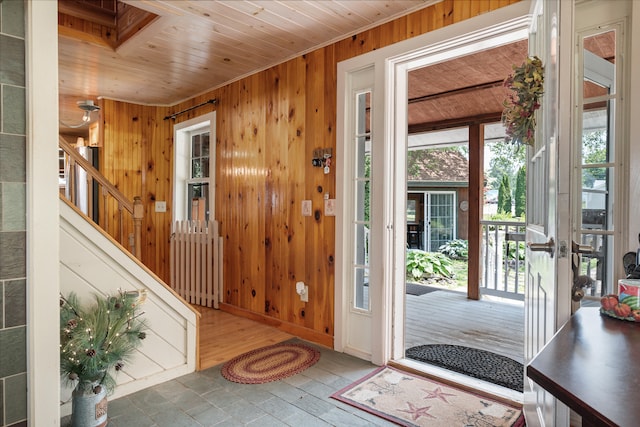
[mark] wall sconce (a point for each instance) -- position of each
(88, 107)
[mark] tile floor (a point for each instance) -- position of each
(205, 398)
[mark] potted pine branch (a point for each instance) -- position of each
(95, 342)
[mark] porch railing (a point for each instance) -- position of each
(503, 259)
(108, 191)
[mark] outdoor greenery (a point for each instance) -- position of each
(594, 150)
(455, 249)
(521, 192)
(504, 196)
(515, 250)
(505, 159)
(420, 263)
(500, 217)
(367, 187)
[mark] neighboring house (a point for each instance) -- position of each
(437, 197)
(268, 123)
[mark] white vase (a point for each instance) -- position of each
(88, 409)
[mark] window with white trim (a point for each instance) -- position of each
(194, 186)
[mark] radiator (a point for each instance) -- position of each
(196, 262)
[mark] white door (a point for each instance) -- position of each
(371, 204)
(582, 107)
(360, 279)
(546, 304)
(440, 220)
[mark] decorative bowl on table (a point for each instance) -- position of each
(623, 307)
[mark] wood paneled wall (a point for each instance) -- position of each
(268, 125)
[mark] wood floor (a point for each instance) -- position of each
(448, 317)
(223, 336)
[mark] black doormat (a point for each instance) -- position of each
(481, 364)
(416, 289)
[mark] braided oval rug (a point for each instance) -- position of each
(271, 363)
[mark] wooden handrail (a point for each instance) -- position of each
(135, 207)
(95, 174)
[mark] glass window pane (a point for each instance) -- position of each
(361, 289)
(205, 144)
(362, 244)
(363, 120)
(196, 168)
(363, 165)
(595, 143)
(595, 265)
(204, 163)
(441, 221)
(595, 188)
(411, 210)
(362, 201)
(599, 64)
(195, 146)
(198, 206)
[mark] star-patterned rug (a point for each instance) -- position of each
(411, 400)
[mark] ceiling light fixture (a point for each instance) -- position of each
(88, 107)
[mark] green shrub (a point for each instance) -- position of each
(514, 249)
(521, 192)
(504, 196)
(420, 263)
(455, 249)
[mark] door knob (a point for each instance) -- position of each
(577, 248)
(549, 246)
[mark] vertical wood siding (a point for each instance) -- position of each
(268, 125)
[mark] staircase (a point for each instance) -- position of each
(93, 262)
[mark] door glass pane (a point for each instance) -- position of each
(595, 138)
(595, 265)
(362, 182)
(598, 161)
(361, 296)
(441, 220)
(599, 64)
(411, 210)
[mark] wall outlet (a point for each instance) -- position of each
(161, 206)
(306, 208)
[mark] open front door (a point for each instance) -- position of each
(547, 214)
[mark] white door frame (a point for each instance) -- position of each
(43, 231)
(391, 65)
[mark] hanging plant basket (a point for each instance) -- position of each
(518, 117)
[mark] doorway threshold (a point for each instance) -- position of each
(466, 382)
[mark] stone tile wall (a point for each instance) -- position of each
(13, 337)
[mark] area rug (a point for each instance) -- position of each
(410, 400)
(481, 364)
(417, 290)
(271, 363)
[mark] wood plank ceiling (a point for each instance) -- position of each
(184, 48)
(189, 47)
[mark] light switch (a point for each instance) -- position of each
(306, 208)
(161, 206)
(330, 207)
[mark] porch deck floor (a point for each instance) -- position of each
(448, 317)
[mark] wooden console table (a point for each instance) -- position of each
(592, 365)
